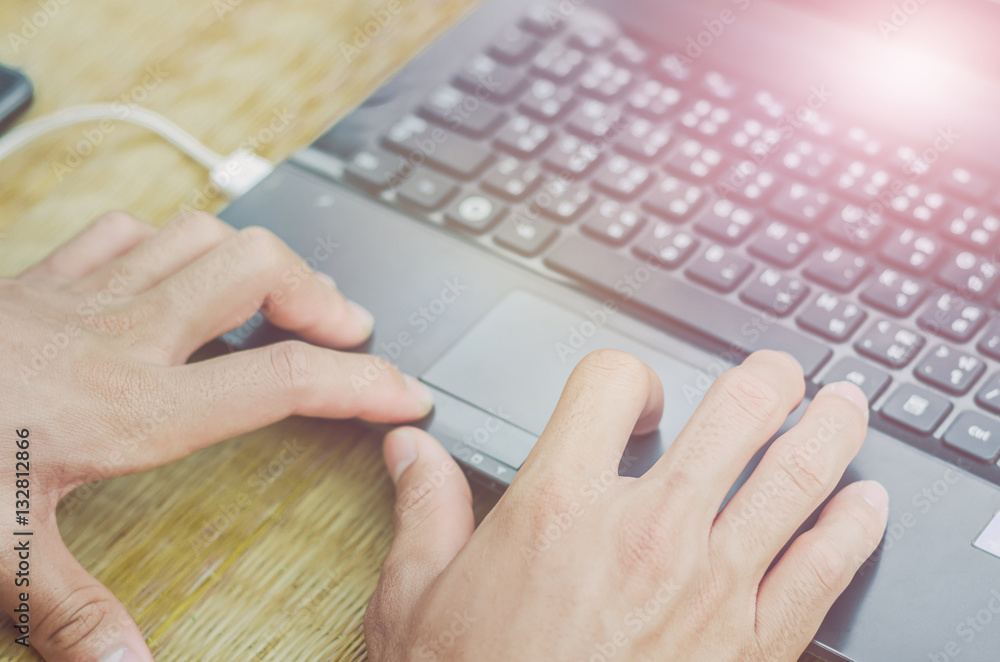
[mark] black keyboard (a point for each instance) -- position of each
(749, 218)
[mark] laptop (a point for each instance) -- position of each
(690, 182)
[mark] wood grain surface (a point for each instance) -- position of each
(266, 547)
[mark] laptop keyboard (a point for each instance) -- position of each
(747, 216)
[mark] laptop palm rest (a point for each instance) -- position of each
(483, 381)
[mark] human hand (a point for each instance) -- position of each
(93, 343)
(577, 563)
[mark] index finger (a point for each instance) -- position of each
(609, 396)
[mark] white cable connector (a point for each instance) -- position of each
(234, 174)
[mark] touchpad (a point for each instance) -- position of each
(514, 363)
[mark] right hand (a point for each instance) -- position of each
(577, 563)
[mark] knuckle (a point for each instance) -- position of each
(754, 397)
(827, 566)
(259, 244)
(291, 365)
(72, 623)
(605, 363)
(806, 470)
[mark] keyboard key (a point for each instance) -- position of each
(673, 69)
(694, 159)
(854, 226)
(860, 141)
(865, 376)
(487, 78)
(952, 317)
(973, 228)
(595, 120)
(894, 293)
(643, 140)
(558, 62)
(450, 153)
(514, 46)
(968, 273)
(374, 169)
(911, 250)
(775, 293)
(719, 320)
(654, 100)
(546, 101)
(592, 38)
(462, 113)
(781, 245)
(808, 160)
(606, 80)
(511, 179)
(562, 200)
(889, 344)
(720, 85)
(800, 203)
(474, 213)
(719, 269)
(571, 156)
(426, 190)
(919, 206)
(524, 137)
(975, 434)
(988, 396)
(950, 370)
(612, 223)
(971, 186)
(705, 118)
(838, 268)
(748, 182)
(727, 222)
(673, 199)
(621, 178)
(861, 182)
(543, 20)
(832, 317)
(989, 344)
(527, 236)
(665, 245)
(754, 138)
(629, 53)
(916, 408)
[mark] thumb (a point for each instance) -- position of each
(433, 515)
(74, 618)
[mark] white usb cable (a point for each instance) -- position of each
(234, 174)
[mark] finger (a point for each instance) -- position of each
(740, 412)
(433, 517)
(74, 618)
(797, 473)
(609, 395)
(213, 400)
(101, 242)
(254, 270)
(177, 245)
(798, 592)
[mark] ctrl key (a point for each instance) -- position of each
(916, 408)
(975, 434)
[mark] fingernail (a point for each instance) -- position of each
(875, 495)
(850, 392)
(362, 314)
(419, 389)
(401, 452)
(123, 655)
(326, 278)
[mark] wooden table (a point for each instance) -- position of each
(240, 552)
